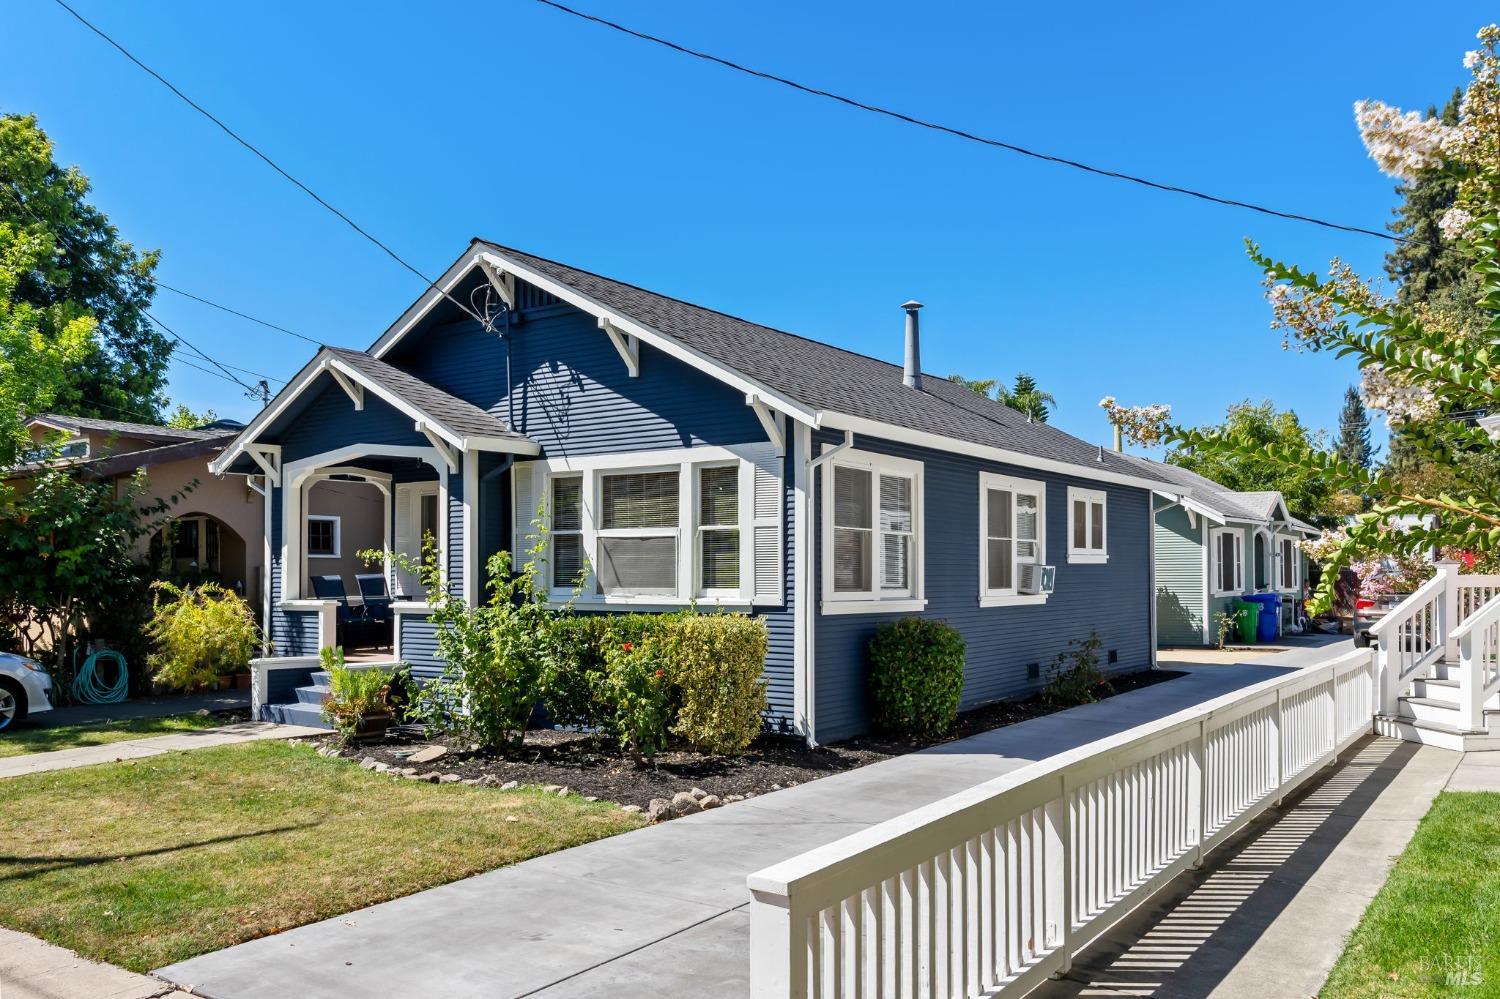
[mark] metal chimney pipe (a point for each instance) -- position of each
(911, 373)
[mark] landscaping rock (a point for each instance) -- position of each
(470, 781)
(432, 778)
(408, 771)
(511, 818)
(659, 810)
(563, 792)
(590, 797)
(449, 779)
(730, 799)
(710, 801)
(381, 768)
(488, 780)
(698, 793)
(369, 763)
(683, 803)
(551, 788)
(632, 809)
(428, 754)
(509, 785)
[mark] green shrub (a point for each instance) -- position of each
(916, 676)
(354, 694)
(640, 693)
(573, 677)
(1076, 677)
(716, 662)
(199, 634)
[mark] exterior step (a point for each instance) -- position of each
(1436, 733)
(294, 714)
(320, 678)
(314, 695)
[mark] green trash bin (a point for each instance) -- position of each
(1246, 616)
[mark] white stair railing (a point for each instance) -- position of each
(1414, 635)
(990, 891)
(1479, 663)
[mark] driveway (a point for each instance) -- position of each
(660, 910)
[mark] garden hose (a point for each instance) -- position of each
(88, 688)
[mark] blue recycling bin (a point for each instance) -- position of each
(1269, 624)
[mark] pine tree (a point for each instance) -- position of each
(1353, 443)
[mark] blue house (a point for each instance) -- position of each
(686, 456)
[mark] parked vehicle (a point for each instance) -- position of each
(24, 687)
(1369, 610)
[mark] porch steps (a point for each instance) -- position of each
(1429, 714)
(307, 709)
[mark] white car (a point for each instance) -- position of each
(24, 687)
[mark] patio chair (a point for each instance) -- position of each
(377, 602)
(353, 629)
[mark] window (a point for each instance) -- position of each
(872, 507)
(719, 528)
(1011, 529)
(567, 531)
(1086, 526)
(322, 536)
(1227, 550)
(638, 534)
(1290, 577)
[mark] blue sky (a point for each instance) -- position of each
(517, 123)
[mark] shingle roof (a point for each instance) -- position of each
(148, 431)
(1256, 506)
(822, 377)
(1263, 502)
(458, 415)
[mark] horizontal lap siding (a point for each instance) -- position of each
(1114, 598)
(1180, 581)
(293, 633)
(418, 645)
(780, 665)
(330, 421)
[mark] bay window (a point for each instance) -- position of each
(1086, 526)
(872, 540)
(1011, 534)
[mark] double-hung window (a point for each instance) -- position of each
(1087, 536)
(638, 533)
(1227, 558)
(719, 530)
(1288, 568)
(1011, 534)
(567, 531)
(872, 516)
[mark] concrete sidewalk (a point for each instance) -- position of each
(660, 910)
(130, 749)
(34, 969)
(159, 706)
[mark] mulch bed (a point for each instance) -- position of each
(584, 766)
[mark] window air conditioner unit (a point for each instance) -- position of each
(1037, 578)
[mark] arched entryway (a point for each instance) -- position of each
(199, 547)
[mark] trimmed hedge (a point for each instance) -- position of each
(916, 676)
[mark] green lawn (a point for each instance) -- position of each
(146, 862)
(1432, 930)
(23, 739)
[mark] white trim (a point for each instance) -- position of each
(1010, 596)
(1214, 564)
(353, 389)
(1206, 591)
(870, 601)
(803, 622)
(450, 458)
(470, 502)
(1277, 566)
(503, 283)
(628, 347)
(268, 457)
(338, 532)
(1088, 555)
(769, 424)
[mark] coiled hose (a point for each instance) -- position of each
(89, 688)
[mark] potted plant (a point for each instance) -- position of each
(357, 706)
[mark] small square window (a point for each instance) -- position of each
(323, 537)
(1088, 534)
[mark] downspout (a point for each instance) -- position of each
(808, 597)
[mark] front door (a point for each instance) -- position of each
(416, 518)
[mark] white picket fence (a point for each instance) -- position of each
(990, 891)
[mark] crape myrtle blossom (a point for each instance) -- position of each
(1143, 425)
(1403, 145)
(1399, 400)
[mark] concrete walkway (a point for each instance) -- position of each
(33, 969)
(130, 749)
(661, 910)
(160, 706)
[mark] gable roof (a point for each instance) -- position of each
(120, 428)
(813, 382)
(455, 420)
(1203, 494)
(116, 464)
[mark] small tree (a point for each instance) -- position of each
(200, 634)
(1024, 396)
(1353, 443)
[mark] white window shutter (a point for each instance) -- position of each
(526, 482)
(766, 513)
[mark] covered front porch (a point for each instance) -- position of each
(363, 466)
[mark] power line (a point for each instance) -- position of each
(264, 158)
(254, 393)
(961, 133)
(236, 312)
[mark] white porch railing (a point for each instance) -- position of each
(1426, 627)
(1479, 663)
(993, 889)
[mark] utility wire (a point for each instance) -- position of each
(265, 158)
(254, 393)
(236, 312)
(958, 132)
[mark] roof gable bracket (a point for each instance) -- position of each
(450, 457)
(502, 281)
(626, 343)
(354, 390)
(268, 457)
(769, 422)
